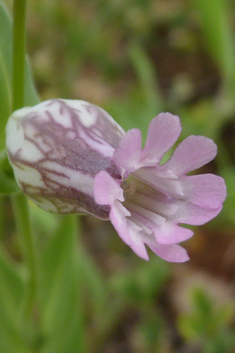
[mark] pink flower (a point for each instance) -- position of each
(151, 199)
(72, 157)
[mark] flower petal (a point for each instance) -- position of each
(128, 231)
(154, 177)
(127, 155)
(137, 243)
(204, 190)
(144, 217)
(153, 203)
(189, 213)
(170, 233)
(117, 217)
(106, 189)
(192, 153)
(171, 253)
(163, 132)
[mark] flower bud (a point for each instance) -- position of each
(56, 148)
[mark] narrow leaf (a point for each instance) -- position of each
(60, 295)
(147, 78)
(214, 15)
(11, 290)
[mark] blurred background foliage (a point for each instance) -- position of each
(134, 58)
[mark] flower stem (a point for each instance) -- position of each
(19, 202)
(20, 207)
(19, 44)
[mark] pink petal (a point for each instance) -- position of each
(128, 231)
(170, 233)
(118, 219)
(155, 204)
(165, 184)
(204, 190)
(192, 153)
(171, 253)
(106, 189)
(137, 243)
(189, 213)
(163, 132)
(127, 155)
(147, 220)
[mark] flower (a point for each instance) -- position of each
(72, 157)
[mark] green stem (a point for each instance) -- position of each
(20, 204)
(19, 44)
(2, 217)
(20, 207)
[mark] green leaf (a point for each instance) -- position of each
(43, 220)
(60, 294)
(8, 183)
(31, 97)
(147, 78)
(214, 16)
(141, 284)
(11, 282)
(8, 342)
(143, 101)
(58, 252)
(202, 302)
(228, 210)
(11, 291)
(72, 339)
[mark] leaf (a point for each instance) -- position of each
(58, 250)
(31, 97)
(227, 214)
(11, 291)
(9, 344)
(8, 183)
(147, 78)
(141, 284)
(214, 15)
(70, 337)
(60, 294)
(11, 282)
